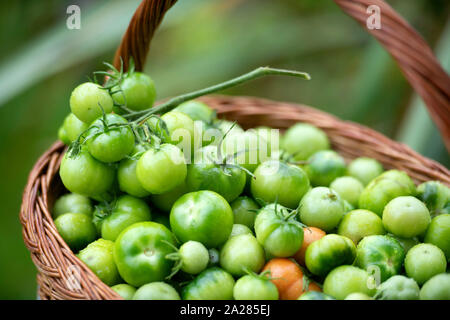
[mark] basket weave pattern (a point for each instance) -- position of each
(61, 275)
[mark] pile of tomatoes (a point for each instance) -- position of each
(158, 215)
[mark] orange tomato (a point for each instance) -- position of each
(288, 278)
(310, 234)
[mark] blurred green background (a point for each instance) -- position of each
(200, 42)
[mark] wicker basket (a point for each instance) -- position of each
(61, 275)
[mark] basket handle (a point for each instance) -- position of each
(406, 46)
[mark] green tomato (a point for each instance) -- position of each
(315, 295)
(247, 149)
(438, 233)
(208, 174)
(436, 288)
(398, 288)
(325, 166)
(212, 284)
(329, 252)
(348, 188)
(424, 261)
(194, 257)
(389, 185)
(239, 229)
(165, 201)
(321, 207)
(197, 111)
(407, 243)
(203, 216)
(277, 181)
(74, 127)
(360, 223)
(278, 230)
(381, 256)
(161, 169)
(72, 202)
(140, 253)
(156, 291)
(302, 140)
(358, 296)
(245, 210)
(76, 229)
(271, 137)
(127, 210)
(126, 174)
(365, 169)
(87, 101)
(406, 217)
(85, 175)
(62, 135)
(136, 91)
(242, 253)
(345, 280)
(98, 256)
(252, 287)
(229, 126)
(181, 131)
(435, 195)
(110, 144)
(124, 290)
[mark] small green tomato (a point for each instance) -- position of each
(348, 188)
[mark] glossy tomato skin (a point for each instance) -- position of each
(383, 255)
(345, 280)
(87, 101)
(124, 290)
(74, 127)
(76, 229)
(156, 291)
(212, 284)
(310, 234)
(325, 166)
(276, 180)
(161, 169)
(127, 211)
(302, 140)
(424, 261)
(406, 217)
(197, 111)
(240, 253)
(348, 188)
(140, 253)
(98, 256)
(436, 288)
(137, 92)
(244, 211)
(228, 181)
(329, 252)
(85, 175)
(365, 169)
(321, 207)
(398, 288)
(435, 195)
(387, 186)
(438, 233)
(203, 216)
(181, 132)
(251, 287)
(112, 144)
(360, 223)
(72, 202)
(126, 174)
(281, 235)
(194, 257)
(239, 229)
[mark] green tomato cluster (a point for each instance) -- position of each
(157, 215)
